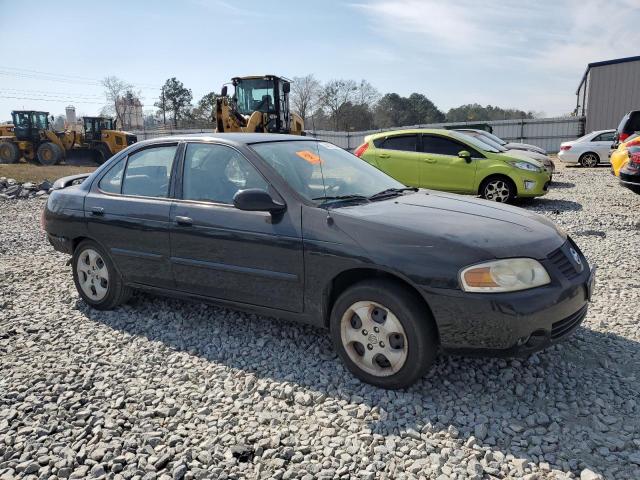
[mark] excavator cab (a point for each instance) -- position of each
(258, 104)
(93, 127)
(27, 124)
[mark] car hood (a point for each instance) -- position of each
(524, 146)
(527, 155)
(475, 229)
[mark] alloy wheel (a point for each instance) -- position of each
(374, 338)
(93, 274)
(589, 160)
(497, 191)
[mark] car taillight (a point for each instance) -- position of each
(623, 136)
(565, 147)
(361, 149)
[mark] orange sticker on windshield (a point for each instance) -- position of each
(310, 157)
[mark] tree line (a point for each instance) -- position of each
(338, 104)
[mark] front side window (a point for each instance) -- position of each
(215, 173)
(40, 120)
(112, 180)
(405, 143)
(319, 170)
(148, 172)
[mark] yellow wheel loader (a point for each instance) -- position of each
(258, 104)
(100, 136)
(33, 139)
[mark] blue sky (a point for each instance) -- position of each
(505, 53)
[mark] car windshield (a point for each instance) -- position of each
(320, 171)
(474, 141)
(493, 137)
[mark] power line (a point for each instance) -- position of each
(61, 78)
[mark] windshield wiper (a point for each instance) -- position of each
(391, 192)
(338, 198)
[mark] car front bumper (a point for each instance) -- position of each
(531, 184)
(516, 323)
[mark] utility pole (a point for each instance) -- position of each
(164, 110)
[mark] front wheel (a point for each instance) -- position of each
(49, 153)
(96, 278)
(498, 189)
(383, 333)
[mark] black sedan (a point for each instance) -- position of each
(630, 172)
(297, 228)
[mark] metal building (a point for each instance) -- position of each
(607, 91)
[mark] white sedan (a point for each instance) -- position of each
(589, 150)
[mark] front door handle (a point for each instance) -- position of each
(384, 155)
(430, 160)
(184, 221)
(98, 211)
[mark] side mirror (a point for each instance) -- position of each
(223, 93)
(256, 200)
(286, 87)
(464, 154)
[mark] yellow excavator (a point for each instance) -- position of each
(32, 138)
(258, 104)
(101, 136)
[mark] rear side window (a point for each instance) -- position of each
(148, 172)
(604, 137)
(633, 125)
(444, 146)
(112, 180)
(405, 143)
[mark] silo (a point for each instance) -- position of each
(71, 115)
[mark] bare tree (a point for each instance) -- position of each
(305, 93)
(335, 94)
(120, 97)
(366, 94)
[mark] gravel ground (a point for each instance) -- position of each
(169, 389)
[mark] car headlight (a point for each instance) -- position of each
(506, 275)
(526, 166)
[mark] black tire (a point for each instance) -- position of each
(102, 153)
(504, 185)
(589, 159)
(9, 152)
(415, 318)
(49, 153)
(117, 292)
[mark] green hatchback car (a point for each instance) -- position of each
(453, 162)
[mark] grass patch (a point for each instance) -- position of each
(28, 172)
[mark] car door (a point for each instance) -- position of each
(127, 211)
(222, 252)
(602, 145)
(442, 169)
(399, 158)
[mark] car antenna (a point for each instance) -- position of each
(324, 187)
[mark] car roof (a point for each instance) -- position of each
(439, 131)
(234, 138)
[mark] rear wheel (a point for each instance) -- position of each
(589, 160)
(9, 152)
(96, 278)
(102, 153)
(498, 189)
(49, 153)
(383, 333)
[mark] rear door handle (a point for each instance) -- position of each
(430, 160)
(97, 211)
(384, 155)
(184, 221)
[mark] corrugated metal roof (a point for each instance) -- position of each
(602, 64)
